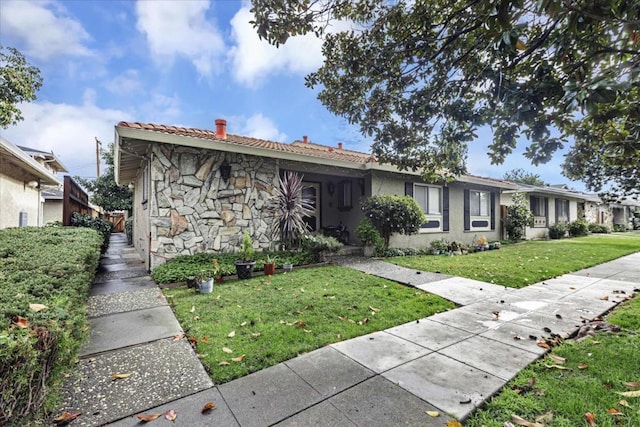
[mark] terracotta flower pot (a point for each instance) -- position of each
(269, 269)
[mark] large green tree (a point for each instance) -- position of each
(19, 82)
(104, 190)
(523, 177)
(420, 77)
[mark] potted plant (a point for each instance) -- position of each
(270, 265)
(464, 249)
(481, 243)
(204, 281)
(287, 267)
(244, 266)
(369, 236)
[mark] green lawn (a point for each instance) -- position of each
(598, 369)
(529, 262)
(245, 326)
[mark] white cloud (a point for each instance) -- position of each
(44, 27)
(254, 59)
(67, 130)
(126, 83)
(180, 29)
(257, 126)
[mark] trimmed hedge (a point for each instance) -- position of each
(52, 266)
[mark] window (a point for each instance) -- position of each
(562, 211)
(479, 203)
(538, 206)
(345, 199)
(430, 200)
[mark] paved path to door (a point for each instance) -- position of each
(450, 362)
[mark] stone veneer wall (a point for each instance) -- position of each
(192, 208)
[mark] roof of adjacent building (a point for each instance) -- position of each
(21, 166)
(47, 157)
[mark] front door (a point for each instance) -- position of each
(311, 191)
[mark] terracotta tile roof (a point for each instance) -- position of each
(297, 147)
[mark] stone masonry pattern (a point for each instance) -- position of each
(194, 210)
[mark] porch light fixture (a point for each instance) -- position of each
(331, 188)
(225, 171)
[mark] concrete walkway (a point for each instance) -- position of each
(450, 362)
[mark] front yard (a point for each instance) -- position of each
(245, 326)
(248, 325)
(529, 262)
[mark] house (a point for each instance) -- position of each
(22, 178)
(555, 204)
(197, 190)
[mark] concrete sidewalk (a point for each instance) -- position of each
(450, 362)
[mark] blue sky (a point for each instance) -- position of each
(182, 63)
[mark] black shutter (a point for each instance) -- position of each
(493, 210)
(408, 189)
(546, 211)
(467, 212)
(557, 203)
(445, 208)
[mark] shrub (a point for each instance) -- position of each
(368, 234)
(619, 227)
(599, 228)
(579, 227)
(318, 245)
(438, 245)
(178, 269)
(102, 226)
(393, 214)
(52, 266)
(289, 209)
(557, 231)
(519, 216)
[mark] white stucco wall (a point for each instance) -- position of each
(52, 211)
(16, 197)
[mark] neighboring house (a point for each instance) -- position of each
(550, 205)
(595, 211)
(623, 213)
(21, 181)
(198, 190)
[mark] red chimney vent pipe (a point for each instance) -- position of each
(221, 129)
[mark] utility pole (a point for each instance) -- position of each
(98, 145)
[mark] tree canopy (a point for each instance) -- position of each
(104, 190)
(523, 177)
(420, 77)
(19, 82)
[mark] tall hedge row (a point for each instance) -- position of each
(45, 275)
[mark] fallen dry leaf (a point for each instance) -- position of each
(543, 345)
(624, 403)
(121, 376)
(632, 384)
(239, 358)
(545, 418)
(563, 368)
(227, 350)
(145, 418)
(307, 331)
(453, 423)
(209, 406)
(433, 413)
(65, 418)
(376, 310)
(635, 393)
(171, 415)
(231, 334)
(590, 418)
(178, 337)
(559, 360)
(223, 363)
(37, 307)
(243, 324)
(256, 334)
(204, 339)
(193, 309)
(614, 411)
(605, 298)
(21, 322)
(522, 422)
(582, 366)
